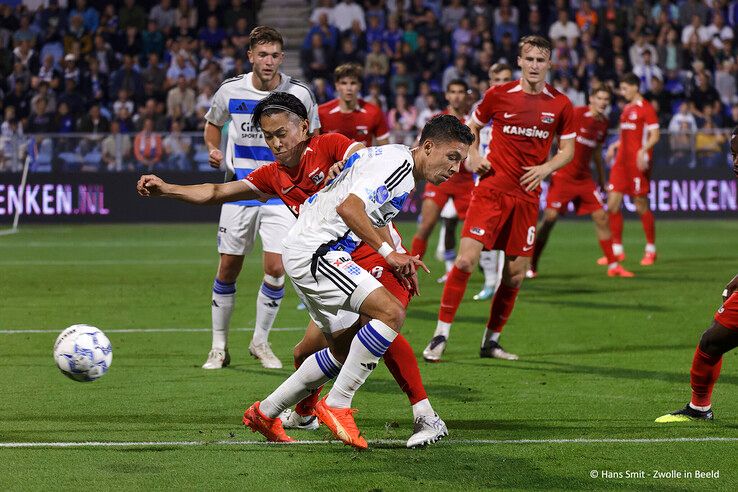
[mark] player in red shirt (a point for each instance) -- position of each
(301, 170)
(527, 114)
(573, 183)
(458, 187)
(721, 337)
(350, 115)
(631, 173)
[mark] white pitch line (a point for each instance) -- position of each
(151, 330)
(122, 444)
(106, 262)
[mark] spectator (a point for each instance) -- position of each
(612, 13)
(315, 60)
(427, 58)
(462, 35)
(207, 8)
(433, 32)
(237, 12)
(77, 33)
(182, 29)
(709, 144)
(204, 101)
(177, 148)
(535, 26)
(41, 119)
(681, 143)
(689, 8)
(181, 97)
(52, 20)
(586, 18)
(210, 77)
(639, 47)
(42, 91)
(374, 31)
(49, 73)
(695, 27)
(93, 122)
(658, 93)
(725, 82)
(718, 29)
(163, 14)
(104, 55)
(401, 121)
(431, 109)
(131, 15)
(512, 10)
(669, 51)
(667, 7)
(154, 78)
(26, 55)
(508, 51)
(116, 149)
(345, 13)
(732, 119)
(328, 33)
(212, 35)
(506, 26)
(348, 53)
(647, 71)
(452, 14)
(24, 32)
(184, 11)
(123, 101)
(11, 138)
(324, 7)
(564, 27)
(480, 8)
(126, 77)
(147, 146)
(376, 66)
(458, 70)
(392, 36)
(94, 83)
(417, 13)
(152, 40)
(358, 37)
(64, 122)
(401, 77)
(181, 67)
(704, 95)
(73, 98)
(376, 97)
(123, 118)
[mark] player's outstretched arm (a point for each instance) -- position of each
(476, 162)
(353, 213)
(536, 174)
(199, 194)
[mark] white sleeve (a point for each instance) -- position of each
(381, 178)
(218, 113)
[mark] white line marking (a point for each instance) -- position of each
(123, 444)
(85, 262)
(151, 330)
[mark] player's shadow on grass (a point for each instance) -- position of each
(605, 306)
(612, 372)
(615, 350)
(458, 391)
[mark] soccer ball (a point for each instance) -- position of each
(83, 353)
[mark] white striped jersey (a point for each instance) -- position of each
(382, 177)
(246, 150)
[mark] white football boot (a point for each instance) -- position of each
(293, 420)
(435, 348)
(427, 430)
(264, 353)
(217, 359)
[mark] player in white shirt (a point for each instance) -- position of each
(240, 221)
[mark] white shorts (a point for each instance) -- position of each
(329, 286)
(449, 210)
(238, 227)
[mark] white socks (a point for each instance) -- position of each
(442, 328)
(315, 371)
(617, 249)
(224, 298)
(369, 344)
(491, 263)
(423, 407)
(490, 336)
(650, 248)
(267, 306)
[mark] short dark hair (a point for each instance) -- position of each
(500, 67)
(445, 128)
(600, 88)
(630, 79)
(537, 42)
(264, 35)
(460, 82)
(283, 102)
(352, 70)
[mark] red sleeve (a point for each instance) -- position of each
(262, 179)
(381, 130)
(567, 123)
(483, 113)
(334, 145)
(649, 116)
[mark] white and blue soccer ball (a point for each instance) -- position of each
(83, 353)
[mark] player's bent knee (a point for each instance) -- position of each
(464, 263)
(229, 268)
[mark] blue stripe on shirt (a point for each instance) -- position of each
(256, 153)
(241, 173)
(242, 106)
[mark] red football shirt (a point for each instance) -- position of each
(296, 184)
(363, 124)
(637, 118)
(591, 133)
(523, 129)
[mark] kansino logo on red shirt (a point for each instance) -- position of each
(525, 131)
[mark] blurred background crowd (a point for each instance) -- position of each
(135, 78)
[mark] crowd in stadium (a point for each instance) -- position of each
(148, 73)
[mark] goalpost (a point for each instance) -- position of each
(22, 189)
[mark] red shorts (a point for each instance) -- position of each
(727, 314)
(629, 180)
(440, 194)
(367, 258)
(501, 221)
(583, 194)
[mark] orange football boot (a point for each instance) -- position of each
(341, 423)
(602, 260)
(270, 428)
(619, 271)
(648, 259)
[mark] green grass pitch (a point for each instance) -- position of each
(600, 359)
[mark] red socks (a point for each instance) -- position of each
(419, 246)
(502, 305)
(606, 245)
(453, 293)
(703, 375)
(649, 227)
(402, 364)
(616, 227)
